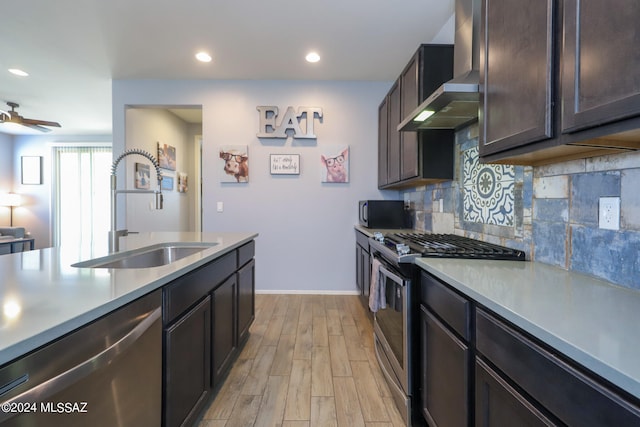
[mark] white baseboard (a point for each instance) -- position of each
(306, 292)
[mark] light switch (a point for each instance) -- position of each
(609, 213)
(220, 207)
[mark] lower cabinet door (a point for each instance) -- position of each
(224, 327)
(246, 292)
(187, 365)
(359, 270)
(498, 404)
(445, 368)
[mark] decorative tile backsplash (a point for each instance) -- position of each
(550, 212)
(487, 191)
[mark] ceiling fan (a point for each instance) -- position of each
(13, 117)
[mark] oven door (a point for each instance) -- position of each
(390, 325)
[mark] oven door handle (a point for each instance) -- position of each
(399, 280)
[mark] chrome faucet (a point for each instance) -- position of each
(114, 234)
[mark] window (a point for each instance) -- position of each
(81, 196)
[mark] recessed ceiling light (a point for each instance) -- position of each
(203, 57)
(18, 72)
(312, 57)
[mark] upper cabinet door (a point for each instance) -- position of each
(516, 74)
(409, 87)
(393, 141)
(601, 59)
(383, 136)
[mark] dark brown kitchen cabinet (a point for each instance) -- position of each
(363, 270)
(224, 327)
(394, 136)
(445, 356)
(206, 315)
(479, 369)
(429, 67)
(552, 385)
(499, 404)
(600, 79)
(246, 299)
(246, 290)
(516, 74)
(187, 365)
(409, 159)
(558, 80)
(383, 129)
(410, 87)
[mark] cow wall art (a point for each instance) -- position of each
(234, 163)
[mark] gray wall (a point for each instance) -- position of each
(307, 241)
(35, 213)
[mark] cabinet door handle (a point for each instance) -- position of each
(45, 390)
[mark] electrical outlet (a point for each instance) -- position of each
(609, 213)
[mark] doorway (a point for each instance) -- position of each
(177, 129)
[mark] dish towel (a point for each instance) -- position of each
(377, 298)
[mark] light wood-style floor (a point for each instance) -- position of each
(309, 362)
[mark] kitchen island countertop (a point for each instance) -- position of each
(589, 320)
(43, 297)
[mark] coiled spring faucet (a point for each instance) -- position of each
(114, 233)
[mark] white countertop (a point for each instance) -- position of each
(591, 321)
(43, 297)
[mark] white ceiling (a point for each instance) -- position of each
(72, 49)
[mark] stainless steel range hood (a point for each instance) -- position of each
(455, 103)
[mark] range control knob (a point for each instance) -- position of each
(402, 249)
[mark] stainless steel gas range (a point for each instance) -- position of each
(395, 289)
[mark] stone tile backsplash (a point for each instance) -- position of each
(487, 191)
(550, 212)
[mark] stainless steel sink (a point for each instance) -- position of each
(150, 256)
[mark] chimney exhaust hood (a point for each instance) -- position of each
(455, 103)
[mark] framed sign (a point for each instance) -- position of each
(285, 164)
(143, 176)
(167, 182)
(32, 170)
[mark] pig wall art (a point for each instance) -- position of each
(334, 163)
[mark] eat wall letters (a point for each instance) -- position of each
(301, 123)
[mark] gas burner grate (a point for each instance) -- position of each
(454, 246)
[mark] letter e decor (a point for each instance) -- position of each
(301, 123)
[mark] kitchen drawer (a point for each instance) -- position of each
(451, 307)
(246, 253)
(572, 396)
(184, 292)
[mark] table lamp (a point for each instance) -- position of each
(10, 200)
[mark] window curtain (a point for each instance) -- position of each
(81, 196)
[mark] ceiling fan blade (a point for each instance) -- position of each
(36, 127)
(39, 122)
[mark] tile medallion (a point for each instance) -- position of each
(487, 191)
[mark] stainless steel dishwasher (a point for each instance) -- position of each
(108, 373)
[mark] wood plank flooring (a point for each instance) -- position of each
(308, 362)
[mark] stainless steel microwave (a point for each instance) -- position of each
(383, 214)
